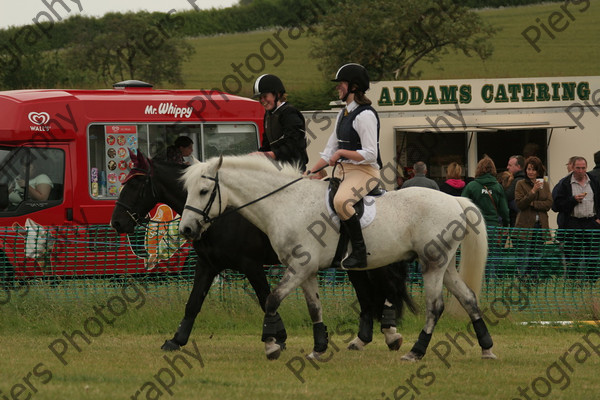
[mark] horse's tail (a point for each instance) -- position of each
(474, 249)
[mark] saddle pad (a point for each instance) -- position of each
(367, 217)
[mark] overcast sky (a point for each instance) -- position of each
(21, 12)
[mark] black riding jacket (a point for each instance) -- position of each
(285, 135)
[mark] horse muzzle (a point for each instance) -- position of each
(192, 230)
(122, 227)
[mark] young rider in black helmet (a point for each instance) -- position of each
(284, 137)
(355, 143)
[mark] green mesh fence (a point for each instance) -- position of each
(544, 274)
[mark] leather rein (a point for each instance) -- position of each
(217, 192)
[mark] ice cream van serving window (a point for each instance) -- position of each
(108, 145)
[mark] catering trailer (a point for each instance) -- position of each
(80, 140)
(442, 121)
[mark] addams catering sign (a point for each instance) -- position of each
(482, 93)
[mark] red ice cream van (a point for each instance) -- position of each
(77, 142)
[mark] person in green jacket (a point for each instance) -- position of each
(488, 195)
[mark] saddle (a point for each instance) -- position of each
(359, 208)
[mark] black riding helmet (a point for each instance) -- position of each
(353, 74)
(268, 83)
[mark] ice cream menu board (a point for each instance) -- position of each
(118, 138)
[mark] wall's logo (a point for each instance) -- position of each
(41, 118)
(40, 121)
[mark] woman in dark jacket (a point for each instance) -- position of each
(454, 184)
(488, 195)
(534, 199)
(284, 137)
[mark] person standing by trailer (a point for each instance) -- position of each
(516, 167)
(534, 199)
(595, 172)
(420, 179)
(577, 197)
(355, 144)
(561, 217)
(454, 184)
(488, 195)
(284, 137)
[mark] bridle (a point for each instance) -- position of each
(137, 219)
(217, 191)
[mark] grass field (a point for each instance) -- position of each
(573, 51)
(225, 358)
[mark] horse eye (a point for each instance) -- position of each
(203, 192)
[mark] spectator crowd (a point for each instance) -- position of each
(515, 205)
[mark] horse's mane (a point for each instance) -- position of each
(258, 162)
(248, 162)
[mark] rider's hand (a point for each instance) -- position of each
(335, 157)
(318, 175)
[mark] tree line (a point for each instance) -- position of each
(88, 51)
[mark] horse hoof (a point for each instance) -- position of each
(411, 356)
(357, 344)
(395, 343)
(314, 355)
(488, 355)
(170, 345)
(272, 349)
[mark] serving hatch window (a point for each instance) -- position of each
(109, 144)
(500, 145)
(436, 149)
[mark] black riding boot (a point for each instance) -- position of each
(358, 258)
(342, 248)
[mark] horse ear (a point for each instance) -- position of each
(213, 167)
(133, 156)
(142, 161)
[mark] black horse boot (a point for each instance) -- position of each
(358, 258)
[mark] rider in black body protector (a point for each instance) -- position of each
(284, 137)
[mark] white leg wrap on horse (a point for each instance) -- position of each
(272, 349)
(488, 355)
(357, 344)
(393, 339)
(315, 355)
